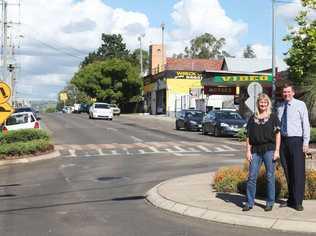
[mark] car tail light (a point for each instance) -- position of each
(4, 129)
(36, 126)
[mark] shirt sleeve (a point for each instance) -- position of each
(305, 124)
(248, 126)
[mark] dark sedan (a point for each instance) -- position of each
(220, 123)
(189, 120)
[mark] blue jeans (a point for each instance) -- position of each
(254, 167)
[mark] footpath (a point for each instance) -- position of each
(194, 196)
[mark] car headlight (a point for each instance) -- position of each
(244, 126)
(193, 122)
(224, 125)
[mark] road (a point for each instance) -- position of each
(98, 185)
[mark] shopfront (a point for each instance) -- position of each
(233, 86)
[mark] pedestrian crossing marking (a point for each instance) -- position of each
(148, 148)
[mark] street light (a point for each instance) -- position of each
(162, 44)
(273, 51)
(141, 54)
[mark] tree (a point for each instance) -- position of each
(134, 58)
(206, 46)
(112, 47)
(301, 57)
(113, 80)
(249, 52)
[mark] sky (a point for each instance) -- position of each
(55, 36)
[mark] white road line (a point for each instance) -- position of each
(229, 148)
(72, 152)
(137, 139)
(204, 148)
(154, 149)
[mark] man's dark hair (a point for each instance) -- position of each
(288, 84)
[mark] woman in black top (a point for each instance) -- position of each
(263, 145)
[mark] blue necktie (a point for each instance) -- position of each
(284, 120)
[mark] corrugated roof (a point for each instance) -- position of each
(193, 64)
(252, 64)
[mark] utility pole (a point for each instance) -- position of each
(273, 52)
(141, 54)
(162, 45)
(4, 41)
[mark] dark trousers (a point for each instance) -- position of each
(293, 163)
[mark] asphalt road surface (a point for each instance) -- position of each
(98, 185)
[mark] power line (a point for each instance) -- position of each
(68, 48)
(56, 48)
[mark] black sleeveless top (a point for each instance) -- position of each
(261, 133)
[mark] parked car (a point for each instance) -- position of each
(21, 120)
(84, 108)
(28, 109)
(189, 119)
(101, 110)
(116, 110)
(222, 122)
(66, 109)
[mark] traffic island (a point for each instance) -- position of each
(194, 196)
(24, 146)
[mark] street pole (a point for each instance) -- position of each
(273, 52)
(162, 46)
(141, 54)
(4, 41)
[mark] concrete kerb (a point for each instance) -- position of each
(220, 216)
(31, 159)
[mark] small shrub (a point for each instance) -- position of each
(23, 135)
(24, 148)
(234, 179)
(310, 184)
(241, 135)
(227, 179)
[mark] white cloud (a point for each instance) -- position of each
(195, 17)
(289, 11)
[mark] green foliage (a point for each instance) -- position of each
(249, 52)
(134, 58)
(206, 46)
(301, 57)
(50, 109)
(23, 135)
(234, 179)
(24, 148)
(115, 80)
(241, 135)
(313, 135)
(112, 47)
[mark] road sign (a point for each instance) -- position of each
(5, 111)
(254, 89)
(63, 96)
(5, 92)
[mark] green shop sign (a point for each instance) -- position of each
(243, 78)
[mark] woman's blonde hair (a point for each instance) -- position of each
(263, 96)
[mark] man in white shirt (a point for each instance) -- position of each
(295, 136)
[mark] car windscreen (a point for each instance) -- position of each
(102, 106)
(228, 115)
(23, 109)
(195, 114)
(17, 119)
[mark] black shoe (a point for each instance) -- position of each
(286, 204)
(268, 208)
(246, 208)
(299, 208)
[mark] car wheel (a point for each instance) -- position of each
(204, 132)
(111, 119)
(177, 126)
(217, 132)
